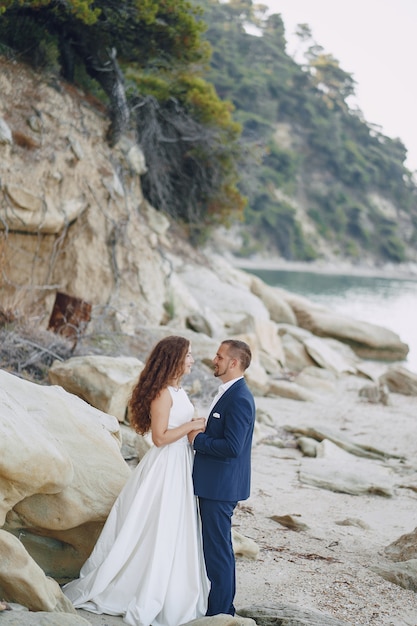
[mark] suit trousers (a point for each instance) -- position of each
(216, 523)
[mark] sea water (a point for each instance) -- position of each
(388, 302)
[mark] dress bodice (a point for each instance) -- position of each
(182, 409)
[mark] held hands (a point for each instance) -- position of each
(198, 425)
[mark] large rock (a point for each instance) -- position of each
(403, 574)
(339, 471)
(60, 472)
(296, 355)
(104, 382)
(289, 389)
(23, 581)
(222, 620)
(367, 340)
(321, 433)
(327, 357)
(404, 548)
(40, 618)
(281, 614)
(279, 310)
(400, 380)
(31, 212)
(230, 302)
(317, 380)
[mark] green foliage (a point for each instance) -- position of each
(390, 244)
(191, 168)
(125, 51)
(142, 31)
(189, 134)
(357, 227)
(35, 45)
(331, 142)
(278, 219)
(80, 9)
(280, 166)
(341, 218)
(335, 84)
(211, 88)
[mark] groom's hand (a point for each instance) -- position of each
(200, 428)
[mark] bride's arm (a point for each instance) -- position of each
(161, 434)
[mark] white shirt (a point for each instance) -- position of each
(222, 388)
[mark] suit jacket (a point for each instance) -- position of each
(222, 463)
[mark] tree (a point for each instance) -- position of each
(191, 151)
(331, 79)
(308, 139)
(147, 56)
(105, 35)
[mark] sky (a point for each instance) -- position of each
(376, 42)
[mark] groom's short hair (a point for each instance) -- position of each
(239, 350)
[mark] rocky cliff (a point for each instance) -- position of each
(79, 244)
(72, 216)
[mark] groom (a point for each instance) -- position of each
(222, 467)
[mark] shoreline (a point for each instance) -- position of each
(321, 268)
(405, 271)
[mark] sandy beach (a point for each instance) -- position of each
(328, 566)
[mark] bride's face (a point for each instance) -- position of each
(188, 361)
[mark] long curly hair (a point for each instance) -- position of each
(164, 364)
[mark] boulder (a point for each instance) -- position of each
(327, 357)
(296, 355)
(104, 382)
(288, 389)
(60, 471)
(288, 615)
(400, 380)
(271, 366)
(279, 310)
(403, 574)
(339, 471)
(317, 379)
(32, 213)
(367, 340)
(266, 332)
(24, 582)
(321, 433)
(22, 617)
(230, 302)
(375, 393)
(404, 548)
(244, 546)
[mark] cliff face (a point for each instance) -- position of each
(72, 215)
(74, 222)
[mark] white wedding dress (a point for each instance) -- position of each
(147, 564)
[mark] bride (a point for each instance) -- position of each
(147, 564)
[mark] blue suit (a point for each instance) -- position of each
(221, 475)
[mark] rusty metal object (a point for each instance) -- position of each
(69, 316)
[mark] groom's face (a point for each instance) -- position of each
(224, 365)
